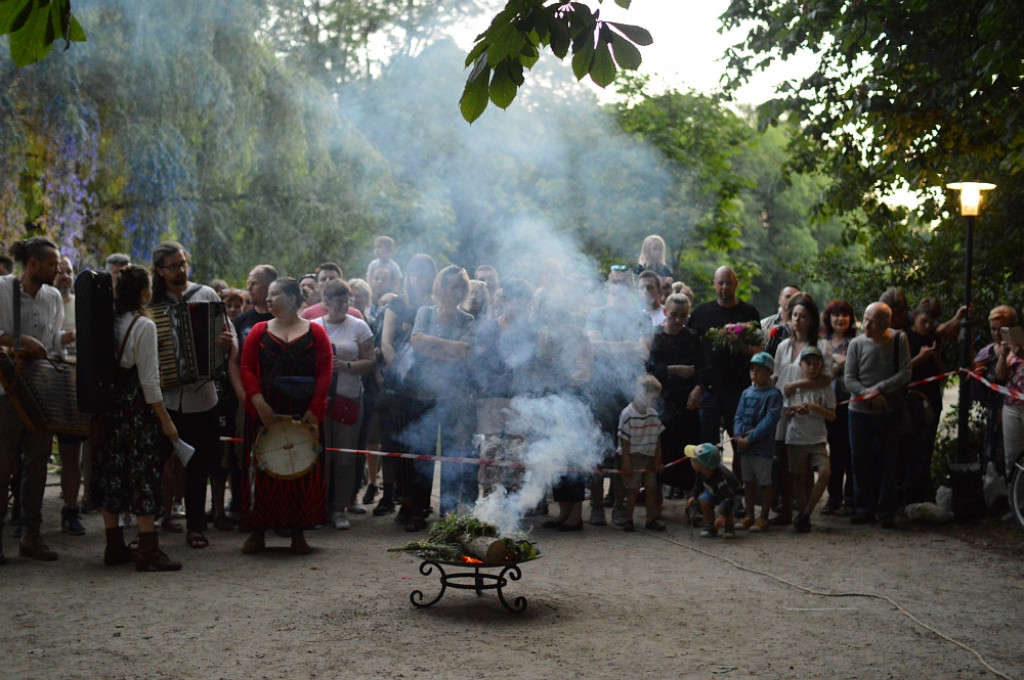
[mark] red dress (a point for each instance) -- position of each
(298, 502)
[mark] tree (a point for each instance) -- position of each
(699, 142)
(904, 94)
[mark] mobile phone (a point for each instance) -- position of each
(1014, 336)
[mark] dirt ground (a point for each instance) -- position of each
(602, 603)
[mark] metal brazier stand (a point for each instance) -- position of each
(476, 577)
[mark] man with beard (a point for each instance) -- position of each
(192, 407)
(41, 313)
(69, 445)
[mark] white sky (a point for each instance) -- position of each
(688, 49)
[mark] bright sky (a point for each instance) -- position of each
(688, 49)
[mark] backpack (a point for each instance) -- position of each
(97, 351)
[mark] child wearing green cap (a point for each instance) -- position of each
(716, 486)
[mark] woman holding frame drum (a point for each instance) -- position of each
(286, 370)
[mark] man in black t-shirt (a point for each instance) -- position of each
(722, 375)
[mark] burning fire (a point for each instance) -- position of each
(471, 560)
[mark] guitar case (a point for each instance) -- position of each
(97, 350)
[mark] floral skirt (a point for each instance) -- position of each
(128, 460)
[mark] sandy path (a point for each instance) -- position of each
(602, 604)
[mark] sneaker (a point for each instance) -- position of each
(383, 508)
(654, 525)
(729, 532)
(70, 522)
(370, 495)
(760, 526)
(709, 532)
(340, 521)
(357, 509)
(745, 523)
(597, 517)
(619, 516)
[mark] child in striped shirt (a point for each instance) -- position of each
(640, 431)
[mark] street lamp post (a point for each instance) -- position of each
(965, 474)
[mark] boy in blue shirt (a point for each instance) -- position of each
(757, 415)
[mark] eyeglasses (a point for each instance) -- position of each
(619, 268)
(182, 266)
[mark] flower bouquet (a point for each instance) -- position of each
(738, 338)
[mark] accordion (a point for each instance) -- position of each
(43, 393)
(186, 341)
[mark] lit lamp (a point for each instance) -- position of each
(964, 473)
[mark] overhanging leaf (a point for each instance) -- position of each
(638, 35)
(602, 71)
(28, 44)
(503, 88)
(627, 56)
(583, 60)
(14, 14)
(474, 95)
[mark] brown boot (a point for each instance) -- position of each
(150, 558)
(32, 544)
(116, 551)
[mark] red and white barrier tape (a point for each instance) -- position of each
(1016, 394)
(459, 459)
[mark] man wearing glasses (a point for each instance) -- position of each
(193, 407)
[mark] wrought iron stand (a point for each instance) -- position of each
(477, 580)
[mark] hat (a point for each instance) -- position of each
(810, 351)
(764, 360)
(707, 455)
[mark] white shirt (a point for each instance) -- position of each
(346, 337)
(200, 396)
(140, 351)
(41, 316)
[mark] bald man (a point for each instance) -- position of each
(877, 366)
(722, 375)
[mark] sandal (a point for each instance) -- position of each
(171, 527)
(196, 540)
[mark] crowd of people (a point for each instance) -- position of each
(430, 361)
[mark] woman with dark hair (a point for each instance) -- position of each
(399, 475)
(286, 369)
(839, 326)
(804, 327)
(352, 342)
(129, 457)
